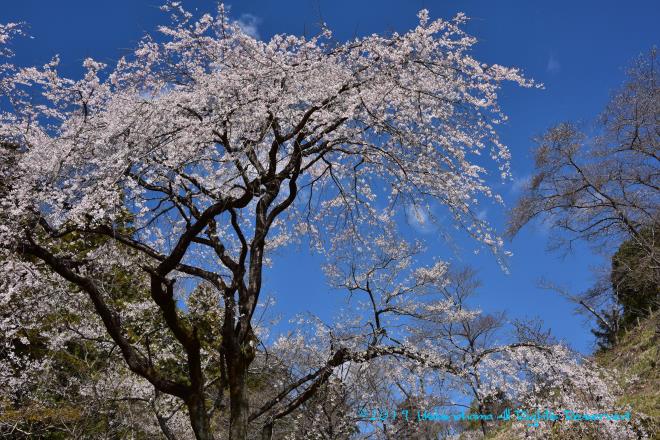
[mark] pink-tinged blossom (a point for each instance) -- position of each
(193, 159)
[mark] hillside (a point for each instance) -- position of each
(636, 360)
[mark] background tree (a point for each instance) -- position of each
(634, 282)
(604, 188)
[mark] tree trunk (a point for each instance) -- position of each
(198, 418)
(238, 399)
(267, 431)
(238, 354)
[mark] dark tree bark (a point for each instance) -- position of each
(199, 419)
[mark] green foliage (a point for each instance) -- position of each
(634, 281)
(607, 332)
(635, 287)
(53, 407)
(493, 404)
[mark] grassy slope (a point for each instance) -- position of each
(636, 359)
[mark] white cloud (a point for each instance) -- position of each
(250, 25)
(553, 65)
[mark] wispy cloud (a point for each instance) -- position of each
(419, 218)
(250, 25)
(553, 65)
(520, 183)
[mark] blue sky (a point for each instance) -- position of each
(578, 49)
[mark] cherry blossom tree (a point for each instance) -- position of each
(153, 194)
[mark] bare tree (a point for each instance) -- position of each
(604, 187)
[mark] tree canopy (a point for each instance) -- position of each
(147, 198)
